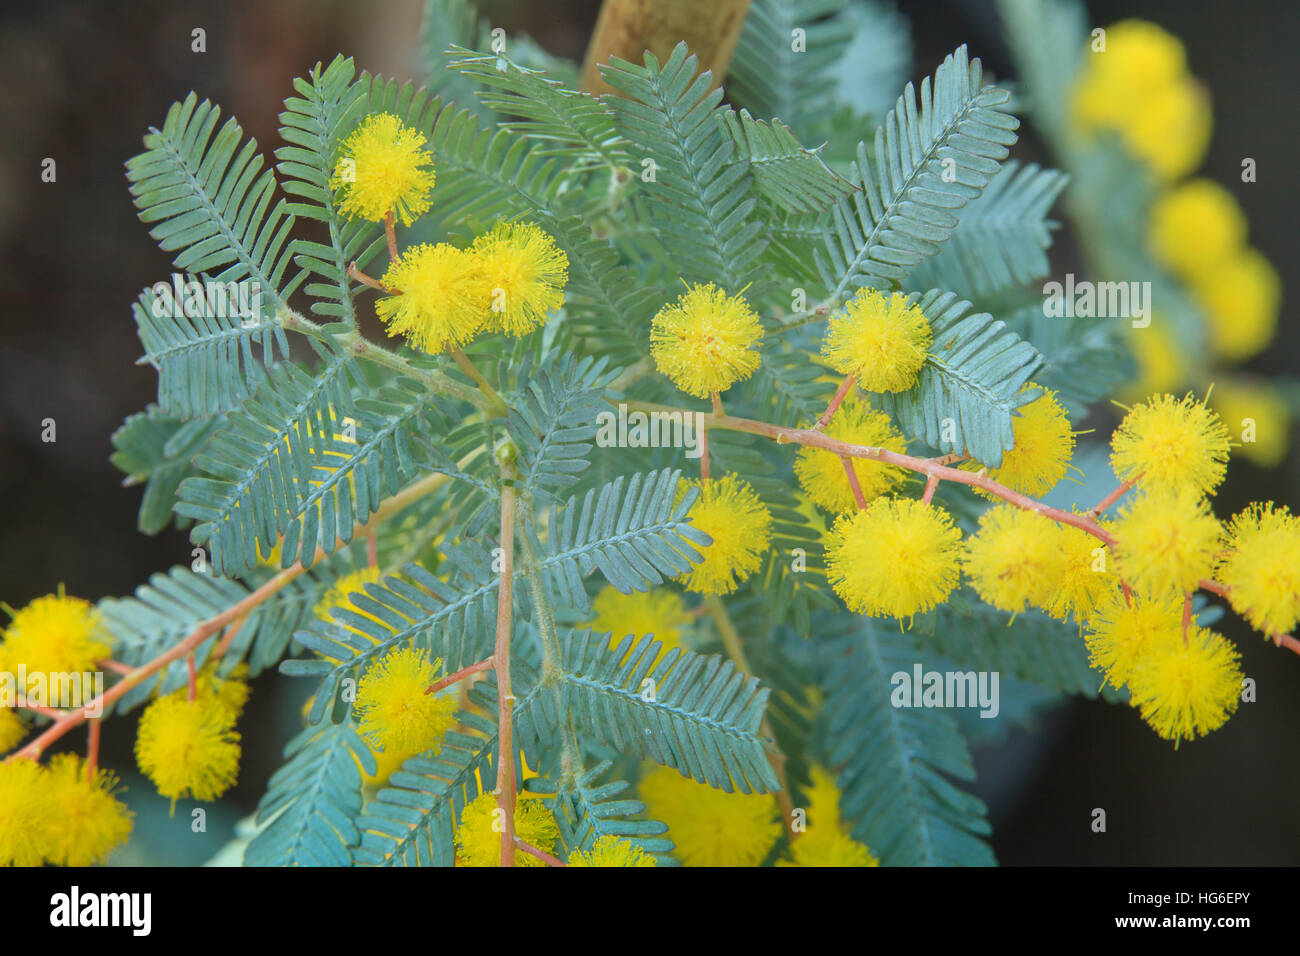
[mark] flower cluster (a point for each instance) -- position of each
(65, 814)
(509, 280)
(709, 826)
(1135, 84)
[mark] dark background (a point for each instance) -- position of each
(83, 81)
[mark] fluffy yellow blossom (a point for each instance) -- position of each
(1171, 443)
(231, 691)
(821, 473)
(1082, 574)
(1257, 416)
(896, 558)
(882, 341)
(1194, 226)
(1042, 449)
(524, 272)
(188, 747)
(659, 611)
(711, 827)
(442, 297)
(383, 167)
(12, 727)
(706, 341)
(1124, 630)
(1012, 561)
(1166, 540)
(55, 634)
(92, 822)
(1262, 567)
(478, 837)
(26, 815)
(1185, 689)
(610, 850)
(1240, 297)
(730, 512)
(825, 842)
(1139, 88)
(393, 710)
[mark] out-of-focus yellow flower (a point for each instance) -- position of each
(1195, 226)
(1240, 297)
(1257, 417)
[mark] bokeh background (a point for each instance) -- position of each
(82, 81)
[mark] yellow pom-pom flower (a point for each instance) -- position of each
(524, 272)
(1185, 689)
(339, 596)
(1043, 444)
(824, 842)
(1012, 561)
(92, 822)
(188, 747)
(12, 727)
(821, 473)
(711, 827)
(1162, 366)
(383, 167)
(441, 300)
(1240, 297)
(231, 691)
(27, 816)
(1257, 416)
(478, 837)
(1139, 88)
(1123, 631)
(1082, 574)
(393, 710)
(1195, 226)
(1171, 443)
(730, 512)
(706, 341)
(1262, 567)
(1166, 540)
(896, 558)
(659, 611)
(610, 850)
(55, 634)
(881, 341)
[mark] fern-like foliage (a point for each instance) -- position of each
(1002, 239)
(698, 714)
(570, 122)
(212, 201)
(635, 535)
(971, 382)
(329, 105)
(894, 763)
(771, 77)
(311, 803)
(700, 198)
(157, 449)
(588, 809)
(932, 156)
(793, 178)
(305, 459)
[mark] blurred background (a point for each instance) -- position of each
(83, 81)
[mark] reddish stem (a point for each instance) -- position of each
(461, 675)
(1110, 499)
(505, 699)
(853, 481)
(931, 485)
(117, 667)
(364, 279)
(390, 232)
(540, 854)
(842, 391)
(704, 452)
(92, 748)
